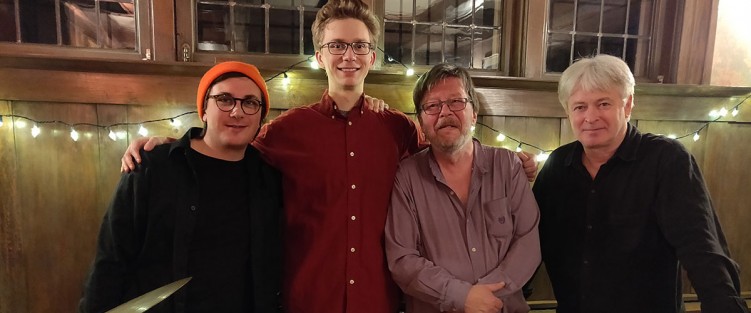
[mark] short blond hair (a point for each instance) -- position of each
(343, 9)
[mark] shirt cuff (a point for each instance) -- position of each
(456, 296)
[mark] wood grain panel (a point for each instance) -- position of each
(727, 175)
(57, 195)
(13, 292)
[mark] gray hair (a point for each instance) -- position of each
(601, 72)
(438, 73)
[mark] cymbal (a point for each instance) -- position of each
(151, 298)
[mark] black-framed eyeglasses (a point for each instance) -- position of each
(339, 48)
(434, 107)
(226, 103)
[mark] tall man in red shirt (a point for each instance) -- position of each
(338, 162)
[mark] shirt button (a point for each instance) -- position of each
(353, 217)
(589, 227)
(474, 249)
(332, 117)
(451, 192)
(351, 281)
(193, 208)
(351, 154)
(352, 249)
(592, 191)
(586, 262)
(353, 186)
(350, 123)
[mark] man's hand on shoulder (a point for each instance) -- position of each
(132, 155)
(529, 164)
(375, 104)
(482, 300)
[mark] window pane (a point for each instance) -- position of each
(213, 27)
(459, 12)
(584, 46)
(559, 50)
(38, 21)
(488, 13)
(561, 15)
(458, 44)
(7, 20)
(614, 17)
(398, 42)
(487, 49)
(429, 11)
(112, 26)
(249, 29)
(308, 18)
(284, 30)
(612, 46)
(398, 10)
(588, 16)
(640, 17)
(428, 45)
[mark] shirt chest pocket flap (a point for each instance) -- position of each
(498, 221)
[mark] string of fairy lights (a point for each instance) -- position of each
(115, 131)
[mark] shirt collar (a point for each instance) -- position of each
(327, 107)
(626, 151)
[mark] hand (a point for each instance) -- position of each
(482, 300)
(529, 164)
(375, 104)
(127, 163)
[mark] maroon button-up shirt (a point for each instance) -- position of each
(338, 173)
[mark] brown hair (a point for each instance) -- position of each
(437, 73)
(342, 9)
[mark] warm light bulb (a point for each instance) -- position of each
(35, 131)
(696, 136)
(472, 129)
(542, 157)
(714, 114)
(73, 134)
(734, 113)
(519, 148)
(723, 112)
(501, 137)
(112, 135)
(314, 65)
(143, 131)
(20, 123)
(121, 135)
(175, 123)
(672, 136)
(285, 80)
(410, 72)
(1, 121)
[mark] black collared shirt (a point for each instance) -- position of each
(612, 243)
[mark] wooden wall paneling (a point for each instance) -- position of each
(696, 148)
(514, 102)
(728, 179)
(12, 257)
(57, 191)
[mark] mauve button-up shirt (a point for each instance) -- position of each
(437, 249)
(337, 175)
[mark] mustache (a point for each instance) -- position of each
(449, 121)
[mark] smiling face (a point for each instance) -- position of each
(347, 71)
(231, 130)
(599, 118)
(448, 130)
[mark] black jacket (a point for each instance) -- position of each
(144, 238)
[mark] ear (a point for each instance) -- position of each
(474, 117)
(319, 59)
(628, 106)
(372, 58)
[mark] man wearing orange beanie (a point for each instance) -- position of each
(205, 206)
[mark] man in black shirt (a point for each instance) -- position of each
(619, 209)
(205, 206)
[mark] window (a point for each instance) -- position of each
(259, 26)
(578, 28)
(99, 24)
(427, 32)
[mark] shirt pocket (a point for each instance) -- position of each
(497, 218)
